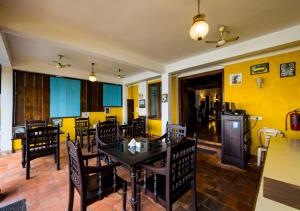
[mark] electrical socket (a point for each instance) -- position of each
(255, 117)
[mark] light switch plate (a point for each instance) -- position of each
(255, 117)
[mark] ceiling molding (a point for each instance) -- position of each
(29, 27)
(225, 54)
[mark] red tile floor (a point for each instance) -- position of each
(219, 187)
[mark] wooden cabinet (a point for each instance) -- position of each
(236, 140)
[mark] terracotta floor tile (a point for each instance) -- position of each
(219, 186)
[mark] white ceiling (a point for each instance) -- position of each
(157, 29)
(31, 50)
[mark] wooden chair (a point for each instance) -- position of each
(91, 182)
(173, 180)
(139, 127)
(107, 134)
(40, 142)
(30, 124)
(82, 126)
(112, 118)
(174, 133)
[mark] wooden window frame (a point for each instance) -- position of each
(158, 100)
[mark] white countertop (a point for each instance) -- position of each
(282, 164)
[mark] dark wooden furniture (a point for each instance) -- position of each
(91, 182)
(174, 133)
(107, 134)
(31, 96)
(29, 124)
(112, 118)
(178, 175)
(125, 130)
(40, 142)
(82, 129)
(236, 140)
(139, 127)
(132, 158)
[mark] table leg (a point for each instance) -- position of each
(81, 139)
(88, 140)
(133, 200)
(23, 153)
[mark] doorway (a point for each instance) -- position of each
(201, 98)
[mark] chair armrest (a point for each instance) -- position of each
(96, 169)
(160, 138)
(161, 170)
(90, 156)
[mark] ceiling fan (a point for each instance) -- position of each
(222, 40)
(58, 64)
(120, 75)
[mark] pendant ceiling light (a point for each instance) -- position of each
(92, 76)
(199, 27)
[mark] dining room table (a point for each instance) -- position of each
(131, 157)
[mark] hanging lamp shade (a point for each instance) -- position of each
(92, 76)
(199, 27)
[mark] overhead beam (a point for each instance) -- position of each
(5, 56)
(266, 43)
(28, 26)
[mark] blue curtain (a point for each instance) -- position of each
(112, 95)
(64, 97)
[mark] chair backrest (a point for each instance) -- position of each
(268, 133)
(107, 122)
(76, 174)
(175, 133)
(139, 126)
(106, 134)
(42, 138)
(82, 122)
(112, 118)
(181, 167)
(35, 123)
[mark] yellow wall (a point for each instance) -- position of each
(133, 94)
(69, 124)
(273, 101)
(174, 100)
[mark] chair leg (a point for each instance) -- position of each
(27, 169)
(71, 197)
(124, 196)
(82, 204)
(194, 195)
(138, 195)
(145, 181)
(155, 187)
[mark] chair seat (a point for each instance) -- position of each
(107, 185)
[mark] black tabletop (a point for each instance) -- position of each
(133, 156)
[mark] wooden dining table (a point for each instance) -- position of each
(132, 157)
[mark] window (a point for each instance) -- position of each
(64, 97)
(112, 95)
(154, 91)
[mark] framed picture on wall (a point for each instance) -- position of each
(142, 103)
(259, 69)
(235, 79)
(287, 69)
(107, 110)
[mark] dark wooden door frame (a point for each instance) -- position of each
(180, 88)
